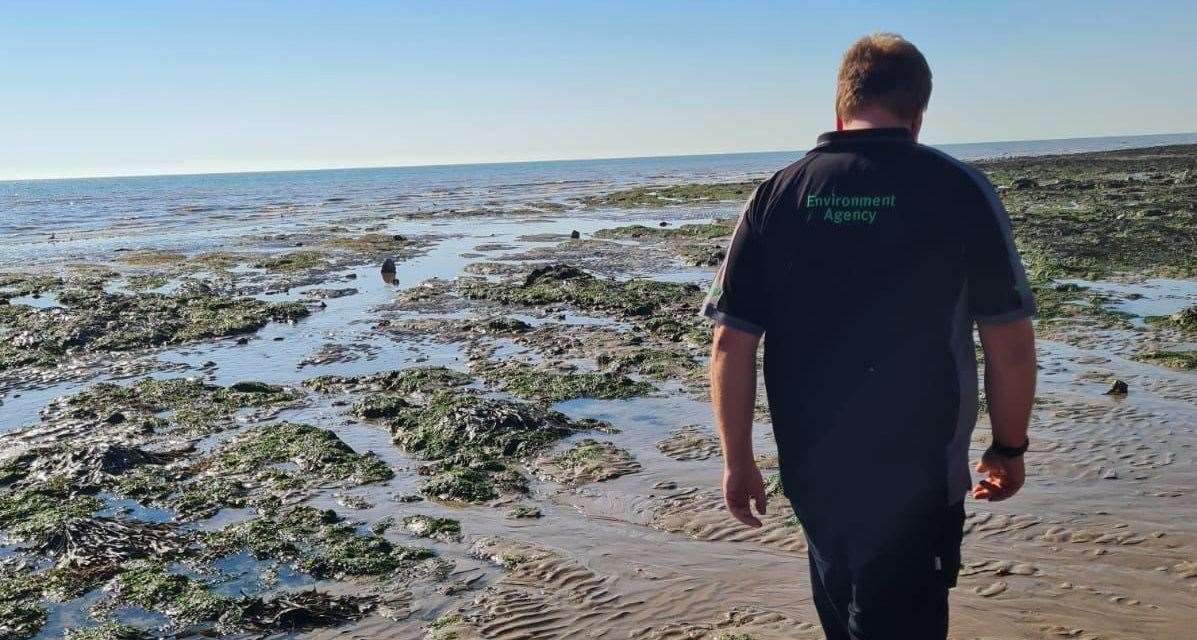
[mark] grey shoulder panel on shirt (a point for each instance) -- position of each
(718, 317)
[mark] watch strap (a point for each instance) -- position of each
(1010, 452)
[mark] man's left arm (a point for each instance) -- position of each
(1010, 371)
(1000, 300)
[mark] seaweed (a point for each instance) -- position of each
(148, 584)
(21, 614)
(91, 321)
(35, 515)
(654, 196)
(1172, 359)
(401, 381)
(106, 631)
(666, 309)
(533, 383)
(465, 424)
(695, 231)
(316, 542)
(433, 527)
(294, 261)
(588, 461)
(314, 450)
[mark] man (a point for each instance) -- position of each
(865, 266)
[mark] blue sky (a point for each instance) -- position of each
(111, 87)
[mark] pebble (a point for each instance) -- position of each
(991, 590)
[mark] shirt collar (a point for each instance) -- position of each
(888, 134)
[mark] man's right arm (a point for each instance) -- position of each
(738, 303)
(733, 397)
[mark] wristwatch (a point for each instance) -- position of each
(1010, 452)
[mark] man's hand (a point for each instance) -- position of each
(740, 484)
(1005, 478)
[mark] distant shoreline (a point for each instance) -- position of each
(1136, 141)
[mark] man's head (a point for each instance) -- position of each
(883, 81)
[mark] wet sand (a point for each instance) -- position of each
(627, 537)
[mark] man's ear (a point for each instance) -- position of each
(916, 125)
(839, 123)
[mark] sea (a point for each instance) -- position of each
(46, 221)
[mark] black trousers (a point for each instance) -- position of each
(899, 595)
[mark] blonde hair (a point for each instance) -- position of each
(883, 70)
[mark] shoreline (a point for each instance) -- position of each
(467, 165)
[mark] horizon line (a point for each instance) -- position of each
(117, 176)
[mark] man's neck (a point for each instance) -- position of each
(870, 123)
(877, 119)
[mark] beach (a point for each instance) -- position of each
(470, 402)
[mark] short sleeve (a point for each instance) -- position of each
(738, 297)
(997, 286)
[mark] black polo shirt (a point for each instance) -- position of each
(865, 265)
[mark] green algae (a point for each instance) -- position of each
(471, 438)
(521, 512)
(376, 406)
(371, 243)
(254, 387)
(532, 383)
(91, 321)
(34, 515)
(191, 405)
(675, 194)
(666, 309)
(294, 261)
(315, 451)
(1172, 359)
(150, 585)
(659, 363)
(401, 381)
(144, 281)
(21, 614)
(152, 257)
(461, 484)
(106, 631)
(700, 245)
(588, 461)
(206, 497)
(316, 542)
(432, 527)
(442, 627)
(382, 525)
(476, 483)
(773, 485)
(464, 424)
(13, 284)
(1055, 302)
(1135, 201)
(1184, 320)
(694, 231)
